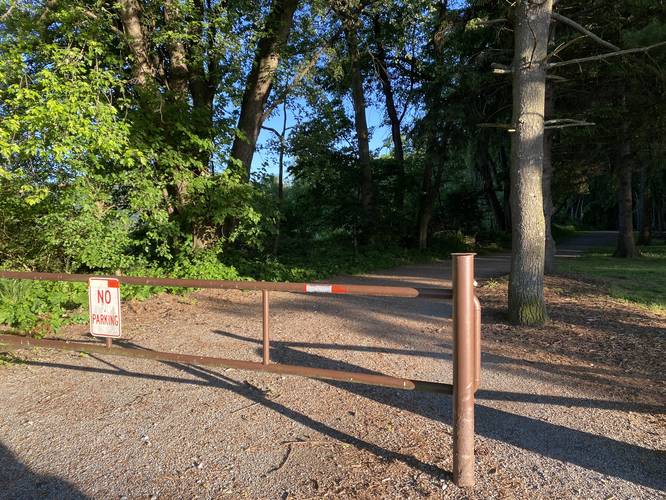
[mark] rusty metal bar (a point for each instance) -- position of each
(265, 326)
(464, 368)
(477, 343)
(301, 371)
(344, 289)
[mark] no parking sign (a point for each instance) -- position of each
(104, 303)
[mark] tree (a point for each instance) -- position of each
(260, 81)
(350, 16)
(526, 299)
(395, 120)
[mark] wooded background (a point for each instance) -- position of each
(129, 131)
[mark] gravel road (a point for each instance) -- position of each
(550, 422)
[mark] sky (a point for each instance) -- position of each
(380, 134)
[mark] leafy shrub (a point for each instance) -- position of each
(41, 307)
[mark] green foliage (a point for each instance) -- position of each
(325, 261)
(203, 264)
(41, 307)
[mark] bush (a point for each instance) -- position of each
(41, 307)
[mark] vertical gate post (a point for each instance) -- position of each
(265, 327)
(464, 368)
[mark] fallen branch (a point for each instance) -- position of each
(284, 461)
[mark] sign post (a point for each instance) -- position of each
(104, 304)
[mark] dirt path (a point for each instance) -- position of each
(574, 409)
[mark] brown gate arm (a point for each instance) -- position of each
(337, 289)
(282, 369)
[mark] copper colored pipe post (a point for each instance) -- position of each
(109, 342)
(464, 368)
(265, 325)
(477, 343)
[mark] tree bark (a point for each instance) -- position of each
(485, 168)
(360, 122)
(260, 81)
(130, 16)
(394, 119)
(526, 299)
(626, 247)
(546, 181)
(644, 207)
(506, 188)
(181, 77)
(433, 171)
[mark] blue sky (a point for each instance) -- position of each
(379, 135)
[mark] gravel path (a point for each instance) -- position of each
(553, 419)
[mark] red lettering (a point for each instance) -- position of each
(103, 297)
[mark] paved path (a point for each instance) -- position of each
(486, 266)
(586, 240)
(101, 427)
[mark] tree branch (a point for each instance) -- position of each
(501, 69)
(585, 31)
(8, 12)
(548, 124)
(302, 73)
(566, 122)
(506, 126)
(91, 15)
(563, 46)
(604, 56)
(271, 129)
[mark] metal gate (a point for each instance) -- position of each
(466, 342)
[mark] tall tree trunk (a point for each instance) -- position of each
(142, 66)
(526, 300)
(433, 171)
(485, 168)
(282, 138)
(546, 181)
(260, 81)
(394, 119)
(626, 247)
(360, 122)
(506, 188)
(644, 207)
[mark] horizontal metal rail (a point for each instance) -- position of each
(337, 289)
(282, 369)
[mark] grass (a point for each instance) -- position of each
(641, 281)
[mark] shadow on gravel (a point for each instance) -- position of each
(18, 481)
(498, 361)
(605, 455)
(633, 463)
